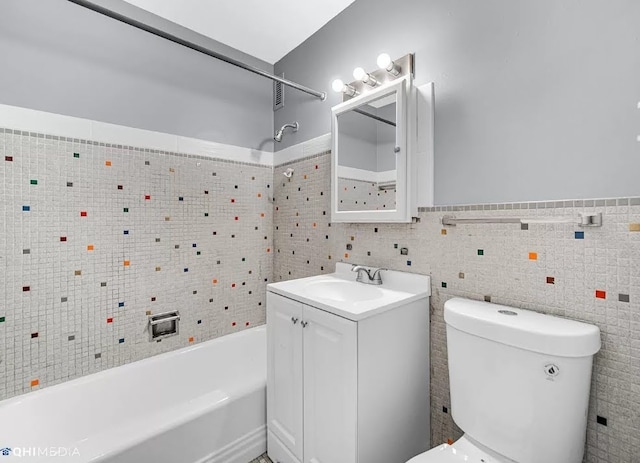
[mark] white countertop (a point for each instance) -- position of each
(340, 294)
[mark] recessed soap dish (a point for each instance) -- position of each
(163, 325)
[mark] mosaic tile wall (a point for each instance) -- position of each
(96, 237)
(358, 195)
(588, 274)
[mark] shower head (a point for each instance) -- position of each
(278, 136)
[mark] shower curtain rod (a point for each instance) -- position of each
(193, 46)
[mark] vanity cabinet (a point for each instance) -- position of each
(343, 390)
(312, 371)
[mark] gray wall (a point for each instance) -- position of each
(61, 58)
(535, 100)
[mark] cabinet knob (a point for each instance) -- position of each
(304, 324)
(294, 320)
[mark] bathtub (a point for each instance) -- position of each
(205, 403)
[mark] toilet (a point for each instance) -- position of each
(519, 385)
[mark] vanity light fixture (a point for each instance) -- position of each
(385, 62)
(365, 77)
(339, 86)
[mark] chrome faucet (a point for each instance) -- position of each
(372, 278)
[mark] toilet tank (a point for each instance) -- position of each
(520, 380)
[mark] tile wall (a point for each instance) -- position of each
(96, 237)
(586, 274)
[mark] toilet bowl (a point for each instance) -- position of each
(519, 383)
(464, 450)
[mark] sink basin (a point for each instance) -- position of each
(339, 293)
(343, 291)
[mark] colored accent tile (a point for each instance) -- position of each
(71, 338)
(262, 214)
(199, 322)
(120, 187)
(126, 232)
(107, 163)
(409, 263)
(268, 249)
(346, 255)
(148, 312)
(147, 163)
(194, 245)
(34, 335)
(601, 420)
(206, 192)
(237, 218)
(126, 209)
(181, 198)
(186, 270)
(259, 195)
(26, 251)
(69, 184)
(78, 273)
(90, 247)
(487, 299)
(233, 324)
(26, 288)
(233, 200)
(461, 275)
(103, 284)
(395, 246)
(64, 299)
(233, 285)
(167, 219)
(481, 252)
(171, 169)
(33, 182)
(634, 227)
(35, 382)
(198, 253)
(153, 299)
(8, 158)
(246, 324)
(158, 269)
(623, 297)
(551, 280)
(533, 256)
(147, 197)
(206, 214)
(579, 235)
(120, 304)
(601, 294)
(126, 263)
(97, 356)
(63, 238)
(121, 341)
(191, 339)
(3, 319)
(76, 155)
(110, 320)
(443, 284)
(524, 226)
(443, 232)
(215, 281)
(83, 213)
(26, 208)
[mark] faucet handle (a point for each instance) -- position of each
(376, 275)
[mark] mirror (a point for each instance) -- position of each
(369, 157)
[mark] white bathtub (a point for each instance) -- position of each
(204, 403)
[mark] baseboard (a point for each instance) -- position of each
(242, 450)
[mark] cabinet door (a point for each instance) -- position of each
(284, 371)
(330, 387)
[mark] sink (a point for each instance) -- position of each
(342, 291)
(339, 293)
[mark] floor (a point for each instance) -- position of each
(262, 459)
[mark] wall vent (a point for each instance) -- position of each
(278, 95)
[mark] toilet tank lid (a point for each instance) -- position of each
(524, 329)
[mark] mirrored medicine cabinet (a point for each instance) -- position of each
(375, 166)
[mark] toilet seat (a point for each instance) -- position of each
(461, 451)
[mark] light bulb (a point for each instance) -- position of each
(384, 60)
(359, 73)
(337, 85)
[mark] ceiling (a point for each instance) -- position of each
(266, 29)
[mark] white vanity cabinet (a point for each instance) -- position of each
(346, 389)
